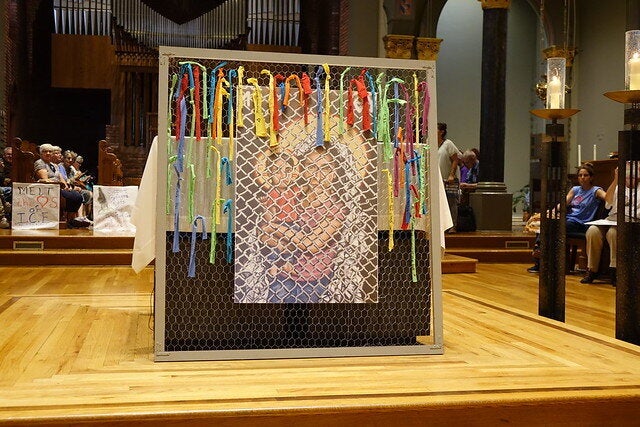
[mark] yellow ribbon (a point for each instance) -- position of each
(221, 92)
(239, 91)
(327, 104)
(390, 204)
(218, 183)
(261, 127)
(273, 136)
(287, 90)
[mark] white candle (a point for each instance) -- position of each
(634, 72)
(594, 151)
(553, 92)
(579, 155)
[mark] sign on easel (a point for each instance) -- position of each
(35, 206)
(112, 207)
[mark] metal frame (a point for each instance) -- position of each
(433, 225)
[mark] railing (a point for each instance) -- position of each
(269, 22)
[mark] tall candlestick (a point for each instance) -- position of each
(594, 151)
(553, 93)
(634, 71)
(579, 155)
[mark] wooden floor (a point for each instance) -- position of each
(76, 348)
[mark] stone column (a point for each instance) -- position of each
(492, 103)
(491, 201)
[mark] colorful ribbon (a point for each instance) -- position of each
(273, 110)
(374, 100)
(327, 104)
(176, 212)
(239, 98)
(230, 117)
(221, 92)
(192, 191)
(341, 101)
(319, 109)
(426, 102)
(287, 90)
(390, 207)
(225, 168)
(307, 91)
(213, 84)
(260, 124)
(194, 236)
(228, 209)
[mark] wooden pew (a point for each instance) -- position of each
(25, 153)
(109, 166)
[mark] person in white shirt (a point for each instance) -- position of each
(448, 159)
(596, 234)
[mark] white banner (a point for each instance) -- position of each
(112, 207)
(35, 206)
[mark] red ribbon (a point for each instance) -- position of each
(196, 83)
(306, 88)
(361, 88)
(279, 78)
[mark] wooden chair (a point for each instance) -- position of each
(109, 166)
(25, 153)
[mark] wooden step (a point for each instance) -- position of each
(64, 239)
(66, 257)
(494, 255)
(490, 240)
(458, 264)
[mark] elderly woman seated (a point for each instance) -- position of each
(46, 171)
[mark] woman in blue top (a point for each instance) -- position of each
(582, 204)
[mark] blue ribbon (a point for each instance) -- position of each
(407, 189)
(183, 129)
(374, 100)
(186, 68)
(176, 213)
(194, 237)
(319, 129)
(281, 86)
(228, 209)
(416, 159)
(225, 167)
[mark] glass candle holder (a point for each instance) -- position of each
(632, 60)
(556, 71)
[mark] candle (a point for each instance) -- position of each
(594, 151)
(634, 71)
(553, 92)
(579, 155)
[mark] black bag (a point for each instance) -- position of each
(466, 219)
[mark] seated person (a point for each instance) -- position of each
(582, 204)
(71, 176)
(470, 170)
(5, 187)
(46, 171)
(596, 234)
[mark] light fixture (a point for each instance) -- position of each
(556, 72)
